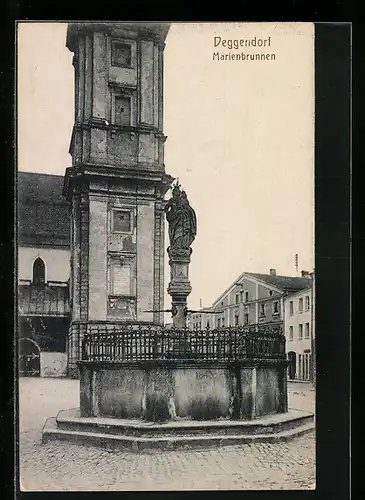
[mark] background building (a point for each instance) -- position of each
(200, 319)
(299, 333)
(256, 298)
(43, 274)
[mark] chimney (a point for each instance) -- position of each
(272, 272)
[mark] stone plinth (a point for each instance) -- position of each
(135, 436)
(196, 390)
(179, 287)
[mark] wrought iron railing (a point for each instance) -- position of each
(103, 343)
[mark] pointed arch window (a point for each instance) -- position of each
(39, 272)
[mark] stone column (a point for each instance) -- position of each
(179, 287)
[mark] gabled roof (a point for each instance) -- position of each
(290, 284)
(299, 292)
(43, 212)
(286, 283)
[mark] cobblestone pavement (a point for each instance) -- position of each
(63, 466)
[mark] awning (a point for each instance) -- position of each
(38, 300)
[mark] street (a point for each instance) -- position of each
(61, 466)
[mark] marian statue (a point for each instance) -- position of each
(181, 219)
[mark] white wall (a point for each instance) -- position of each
(294, 320)
(57, 262)
(53, 364)
(298, 345)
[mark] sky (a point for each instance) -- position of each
(240, 140)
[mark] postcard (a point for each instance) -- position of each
(166, 276)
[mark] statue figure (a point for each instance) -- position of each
(182, 220)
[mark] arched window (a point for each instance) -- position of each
(39, 272)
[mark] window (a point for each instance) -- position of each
(245, 318)
(121, 55)
(237, 298)
(241, 296)
(304, 366)
(300, 336)
(307, 303)
(222, 304)
(291, 308)
(121, 221)
(307, 366)
(275, 307)
(219, 322)
(236, 319)
(122, 110)
(262, 309)
(307, 330)
(39, 272)
(208, 323)
(246, 296)
(300, 305)
(291, 333)
(270, 292)
(223, 322)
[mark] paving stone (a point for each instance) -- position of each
(61, 466)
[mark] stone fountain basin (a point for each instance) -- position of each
(161, 391)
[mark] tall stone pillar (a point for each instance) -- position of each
(117, 182)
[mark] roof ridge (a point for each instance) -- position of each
(22, 172)
(275, 275)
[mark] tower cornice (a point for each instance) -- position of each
(156, 31)
(81, 174)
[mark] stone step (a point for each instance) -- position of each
(70, 420)
(52, 432)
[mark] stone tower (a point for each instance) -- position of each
(117, 181)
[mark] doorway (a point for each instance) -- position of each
(292, 357)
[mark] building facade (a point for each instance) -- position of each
(255, 298)
(43, 275)
(300, 334)
(200, 320)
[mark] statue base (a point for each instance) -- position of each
(179, 287)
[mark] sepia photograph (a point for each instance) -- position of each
(165, 256)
